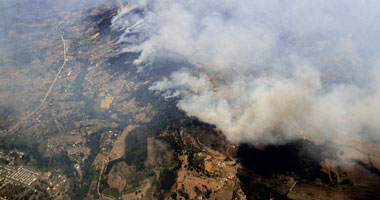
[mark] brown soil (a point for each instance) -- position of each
(106, 103)
(118, 149)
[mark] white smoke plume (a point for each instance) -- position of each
(266, 71)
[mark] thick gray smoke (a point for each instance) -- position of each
(267, 71)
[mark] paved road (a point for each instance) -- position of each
(16, 126)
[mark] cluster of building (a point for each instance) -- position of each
(22, 175)
(4, 182)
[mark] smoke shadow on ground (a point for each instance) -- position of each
(289, 159)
